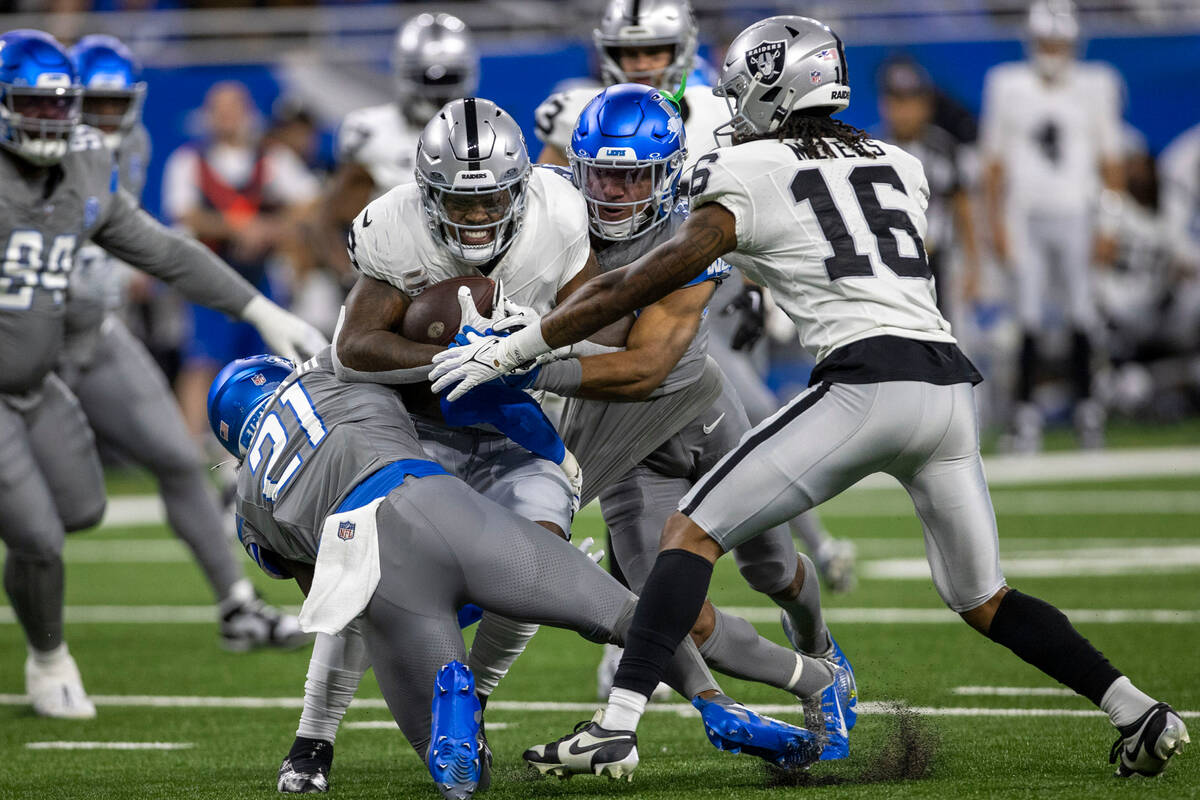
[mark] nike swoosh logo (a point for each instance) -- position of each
(574, 749)
(710, 428)
(366, 219)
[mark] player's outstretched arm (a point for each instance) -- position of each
(135, 237)
(705, 236)
(366, 347)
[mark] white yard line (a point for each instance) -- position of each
(682, 709)
(108, 745)
(1012, 691)
(390, 725)
(90, 615)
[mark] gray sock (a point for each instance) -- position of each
(736, 649)
(809, 633)
(35, 587)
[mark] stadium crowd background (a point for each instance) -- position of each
(290, 71)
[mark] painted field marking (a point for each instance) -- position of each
(195, 615)
(1058, 563)
(681, 709)
(108, 745)
(390, 725)
(1012, 691)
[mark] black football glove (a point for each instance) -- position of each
(752, 319)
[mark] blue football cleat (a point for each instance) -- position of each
(835, 655)
(456, 758)
(733, 727)
(835, 708)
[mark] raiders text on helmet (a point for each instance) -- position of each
(780, 65)
(646, 23)
(472, 168)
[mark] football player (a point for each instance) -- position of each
(61, 190)
(1050, 138)
(434, 60)
(124, 396)
(647, 420)
(891, 391)
(338, 468)
(651, 42)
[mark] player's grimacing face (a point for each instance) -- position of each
(629, 191)
(477, 215)
(645, 65)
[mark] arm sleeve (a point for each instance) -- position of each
(138, 239)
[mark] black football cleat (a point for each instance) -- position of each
(1145, 746)
(306, 768)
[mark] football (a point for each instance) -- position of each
(433, 316)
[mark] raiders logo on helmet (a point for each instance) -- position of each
(766, 61)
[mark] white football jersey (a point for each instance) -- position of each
(383, 142)
(1051, 137)
(702, 113)
(391, 241)
(1179, 171)
(838, 241)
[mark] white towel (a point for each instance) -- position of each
(347, 571)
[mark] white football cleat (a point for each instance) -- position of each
(836, 562)
(55, 689)
(1145, 746)
(248, 623)
(590, 750)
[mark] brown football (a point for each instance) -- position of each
(433, 315)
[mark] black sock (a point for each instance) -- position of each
(666, 611)
(1042, 635)
(1081, 364)
(1027, 368)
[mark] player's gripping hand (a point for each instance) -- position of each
(285, 334)
(510, 316)
(469, 317)
(482, 359)
(751, 312)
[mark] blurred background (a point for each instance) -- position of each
(290, 71)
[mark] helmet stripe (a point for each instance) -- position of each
(472, 134)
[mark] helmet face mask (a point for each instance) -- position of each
(634, 32)
(627, 153)
(472, 170)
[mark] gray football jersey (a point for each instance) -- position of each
(45, 215)
(95, 287)
(317, 439)
(619, 254)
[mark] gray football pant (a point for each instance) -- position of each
(130, 407)
(441, 545)
(834, 435)
(50, 483)
(760, 402)
(1043, 244)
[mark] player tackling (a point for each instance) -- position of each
(832, 222)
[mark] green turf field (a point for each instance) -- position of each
(1119, 555)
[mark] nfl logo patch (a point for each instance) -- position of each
(258, 379)
(815, 76)
(346, 531)
(225, 430)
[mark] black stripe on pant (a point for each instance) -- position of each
(757, 437)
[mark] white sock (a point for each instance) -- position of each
(1124, 702)
(240, 593)
(625, 707)
(48, 658)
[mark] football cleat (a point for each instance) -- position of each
(306, 768)
(834, 655)
(838, 718)
(56, 689)
(457, 758)
(836, 562)
(251, 624)
(590, 750)
(732, 727)
(1145, 746)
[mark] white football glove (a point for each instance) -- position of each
(469, 316)
(508, 315)
(586, 546)
(574, 473)
(470, 365)
(284, 333)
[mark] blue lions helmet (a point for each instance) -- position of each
(627, 154)
(238, 396)
(113, 89)
(39, 97)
